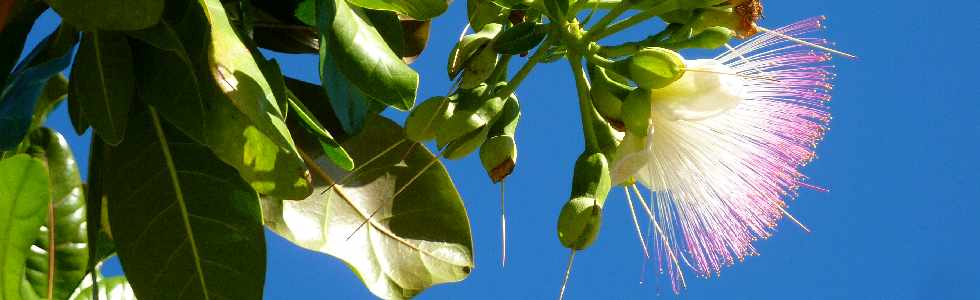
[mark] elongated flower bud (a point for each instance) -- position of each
(466, 144)
(607, 94)
(710, 38)
(499, 153)
(591, 177)
(473, 111)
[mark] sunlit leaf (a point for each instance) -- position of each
(112, 288)
(420, 235)
(23, 206)
(70, 237)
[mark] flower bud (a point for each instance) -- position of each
(653, 68)
(607, 94)
(478, 68)
(466, 144)
(579, 222)
(473, 111)
(422, 123)
(499, 156)
(468, 47)
(636, 112)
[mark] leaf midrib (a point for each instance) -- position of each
(172, 171)
(102, 81)
(364, 216)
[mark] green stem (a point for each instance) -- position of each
(660, 9)
(584, 101)
(611, 16)
(500, 71)
(598, 60)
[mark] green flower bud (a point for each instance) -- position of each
(472, 112)
(607, 94)
(466, 144)
(468, 47)
(591, 177)
(636, 112)
(422, 124)
(653, 68)
(520, 39)
(479, 68)
(499, 156)
(579, 222)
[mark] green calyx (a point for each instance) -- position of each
(478, 68)
(608, 93)
(653, 67)
(710, 38)
(591, 177)
(579, 222)
(636, 112)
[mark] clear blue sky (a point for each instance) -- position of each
(900, 220)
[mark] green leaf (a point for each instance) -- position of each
(100, 244)
(102, 77)
(71, 241)
(347, 100)
(17, 19)
(390, 29)
(23, 205)
(420, 235)
(185, 225)
(26, 84)
(361, 54)
(416, 38)
(331, 148)
(109, 14)
(112, 288)
(174, 75)
(55, 90)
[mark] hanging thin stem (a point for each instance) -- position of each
(611, 16)
(585, 102)
(568, 273)
(503, 228)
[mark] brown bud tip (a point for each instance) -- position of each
(749, 11)
(501, 171)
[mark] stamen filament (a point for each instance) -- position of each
(802, 42)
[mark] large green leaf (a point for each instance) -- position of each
(70, 239)
(26, 84)
(361, 54)
(417, 9)
(420, 235)
(112, 288)
(109, 14)
(102, 82)
(174, 75)
(23, 205)
(18, 18)
(346, 99)
(186, 226)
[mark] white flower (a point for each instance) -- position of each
(726, 146)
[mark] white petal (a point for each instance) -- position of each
(630, 157)
(707, 89)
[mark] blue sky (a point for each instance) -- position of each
(900, 220)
